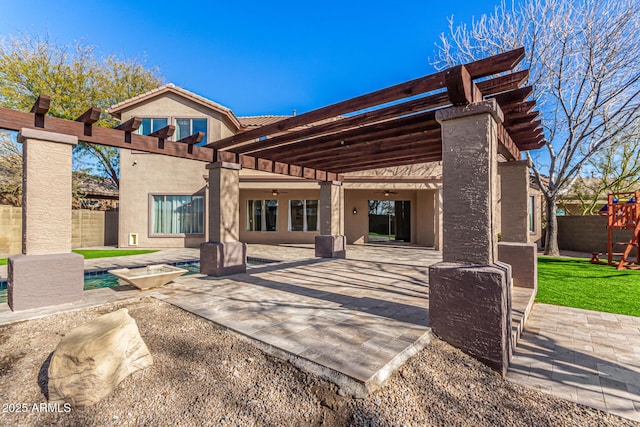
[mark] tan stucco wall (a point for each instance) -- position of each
(174, 107)
(536, 235)
(88, 228)
(155, 174)
(46, 188)
(424, 169)
(282, 235)
(356, 226)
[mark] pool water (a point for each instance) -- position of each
(102, 279)
(105, 280)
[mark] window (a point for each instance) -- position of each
(186, 127)
(151, 125)
(532, 214)
(177, 215)
(262, 215)
(303, 215)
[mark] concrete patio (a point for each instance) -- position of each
(584, 356)
(356, 320)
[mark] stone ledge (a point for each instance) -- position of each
(42, 135)
(487, 106)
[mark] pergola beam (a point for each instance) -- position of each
(39, 109)
(411, 124)
(482, 68)
(409, 160)
(505, 83)
(380, 129)
(492, 86)
(192, 140)
(131, 125)
(380, 154)
(89, 117)
(356, 148)
(343, 124)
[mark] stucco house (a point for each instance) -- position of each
(162, 199)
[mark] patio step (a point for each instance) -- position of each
(522, 301)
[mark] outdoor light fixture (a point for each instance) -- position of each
(135, 162)
(355, 211)
(274, 192)
(386, 193)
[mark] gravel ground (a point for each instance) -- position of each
(203, 375)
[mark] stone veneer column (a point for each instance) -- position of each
(331, 243)
(437, 238)
(469, 292)
(515, 249)
(47, 272)
(223, 254)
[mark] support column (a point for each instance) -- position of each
(223, 254)
(469, 292)
(47, 272)
(437, 240)
(514, 248)
(331, 243)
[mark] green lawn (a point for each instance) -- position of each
(574, 282)
(371, 233)
(102, 253)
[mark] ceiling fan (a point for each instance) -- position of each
(276, 192)
(386, 193)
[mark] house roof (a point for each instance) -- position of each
(117, 109)
(257, 121)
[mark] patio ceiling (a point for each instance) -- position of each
(390, 127)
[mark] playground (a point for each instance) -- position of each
(622, 213)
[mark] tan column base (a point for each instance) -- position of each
(331, 246)
(41, 280)
(470, 308)
(223, 258)
(523, 259)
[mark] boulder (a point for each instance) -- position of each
(92, 359)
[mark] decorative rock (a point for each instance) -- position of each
(92, 359)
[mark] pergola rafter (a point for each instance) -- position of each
(385, 128)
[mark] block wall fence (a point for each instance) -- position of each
(89, 228)
(587, 233)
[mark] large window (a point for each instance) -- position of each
(186, 127)
(177, 215)
(303, 215)
(150, 125)
(262, 215)
(532, 214)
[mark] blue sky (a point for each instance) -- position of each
(256, 58)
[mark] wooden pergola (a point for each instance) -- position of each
(390, 127)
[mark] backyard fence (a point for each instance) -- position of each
(587, 233)
(89, 228)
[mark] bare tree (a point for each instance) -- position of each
(584, 57)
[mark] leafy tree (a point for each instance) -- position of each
(615, 169)
(10, 170)
(584, 57)
(76, 79)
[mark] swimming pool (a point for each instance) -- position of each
(102, 279)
